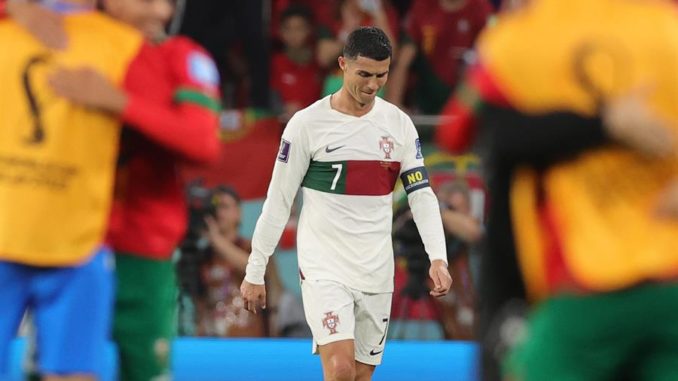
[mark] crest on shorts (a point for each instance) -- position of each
(387, 146)
(331, 321)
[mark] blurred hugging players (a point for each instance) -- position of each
(584, 169)
(175, 122)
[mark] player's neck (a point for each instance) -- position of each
(344, 102)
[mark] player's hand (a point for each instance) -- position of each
(254, 296)
(442, 280)
(89, 88)
(629, 120)
(45, 25)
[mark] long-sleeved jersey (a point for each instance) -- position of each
(347, 167)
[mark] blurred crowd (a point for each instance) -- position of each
(281, 54)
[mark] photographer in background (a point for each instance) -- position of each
(414, 315)
(462, 231)
(220, 307)
(455, 311)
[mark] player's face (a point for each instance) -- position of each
(363, 77)
(149, 16)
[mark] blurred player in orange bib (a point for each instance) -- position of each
(170, 102)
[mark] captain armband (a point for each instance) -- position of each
(414, 179)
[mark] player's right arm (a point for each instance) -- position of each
(289, 171)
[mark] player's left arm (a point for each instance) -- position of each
(425, 209)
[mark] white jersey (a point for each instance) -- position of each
(347, 167)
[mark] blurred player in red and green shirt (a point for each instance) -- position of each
(149, 214)
(172, 102)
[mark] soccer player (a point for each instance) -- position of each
(57, 164)
(346, 151)
(176, 123)
(149, 212)
(589, 239)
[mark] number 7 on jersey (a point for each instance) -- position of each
(338, 167)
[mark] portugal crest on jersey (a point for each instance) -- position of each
(331, 321)
(387, 146)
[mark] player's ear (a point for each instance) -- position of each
(342, 63)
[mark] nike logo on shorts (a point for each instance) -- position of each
(328, 149)
(373, 353)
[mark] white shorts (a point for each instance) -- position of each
(335, 312)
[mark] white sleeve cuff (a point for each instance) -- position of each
(256, 269)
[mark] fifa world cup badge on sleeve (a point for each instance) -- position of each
(284, 153)
(414, 179)
(202, 70)
(417, 144)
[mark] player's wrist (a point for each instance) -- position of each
(254, 273)
(438, 262)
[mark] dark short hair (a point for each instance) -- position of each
(297, 10)
(369, 42)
